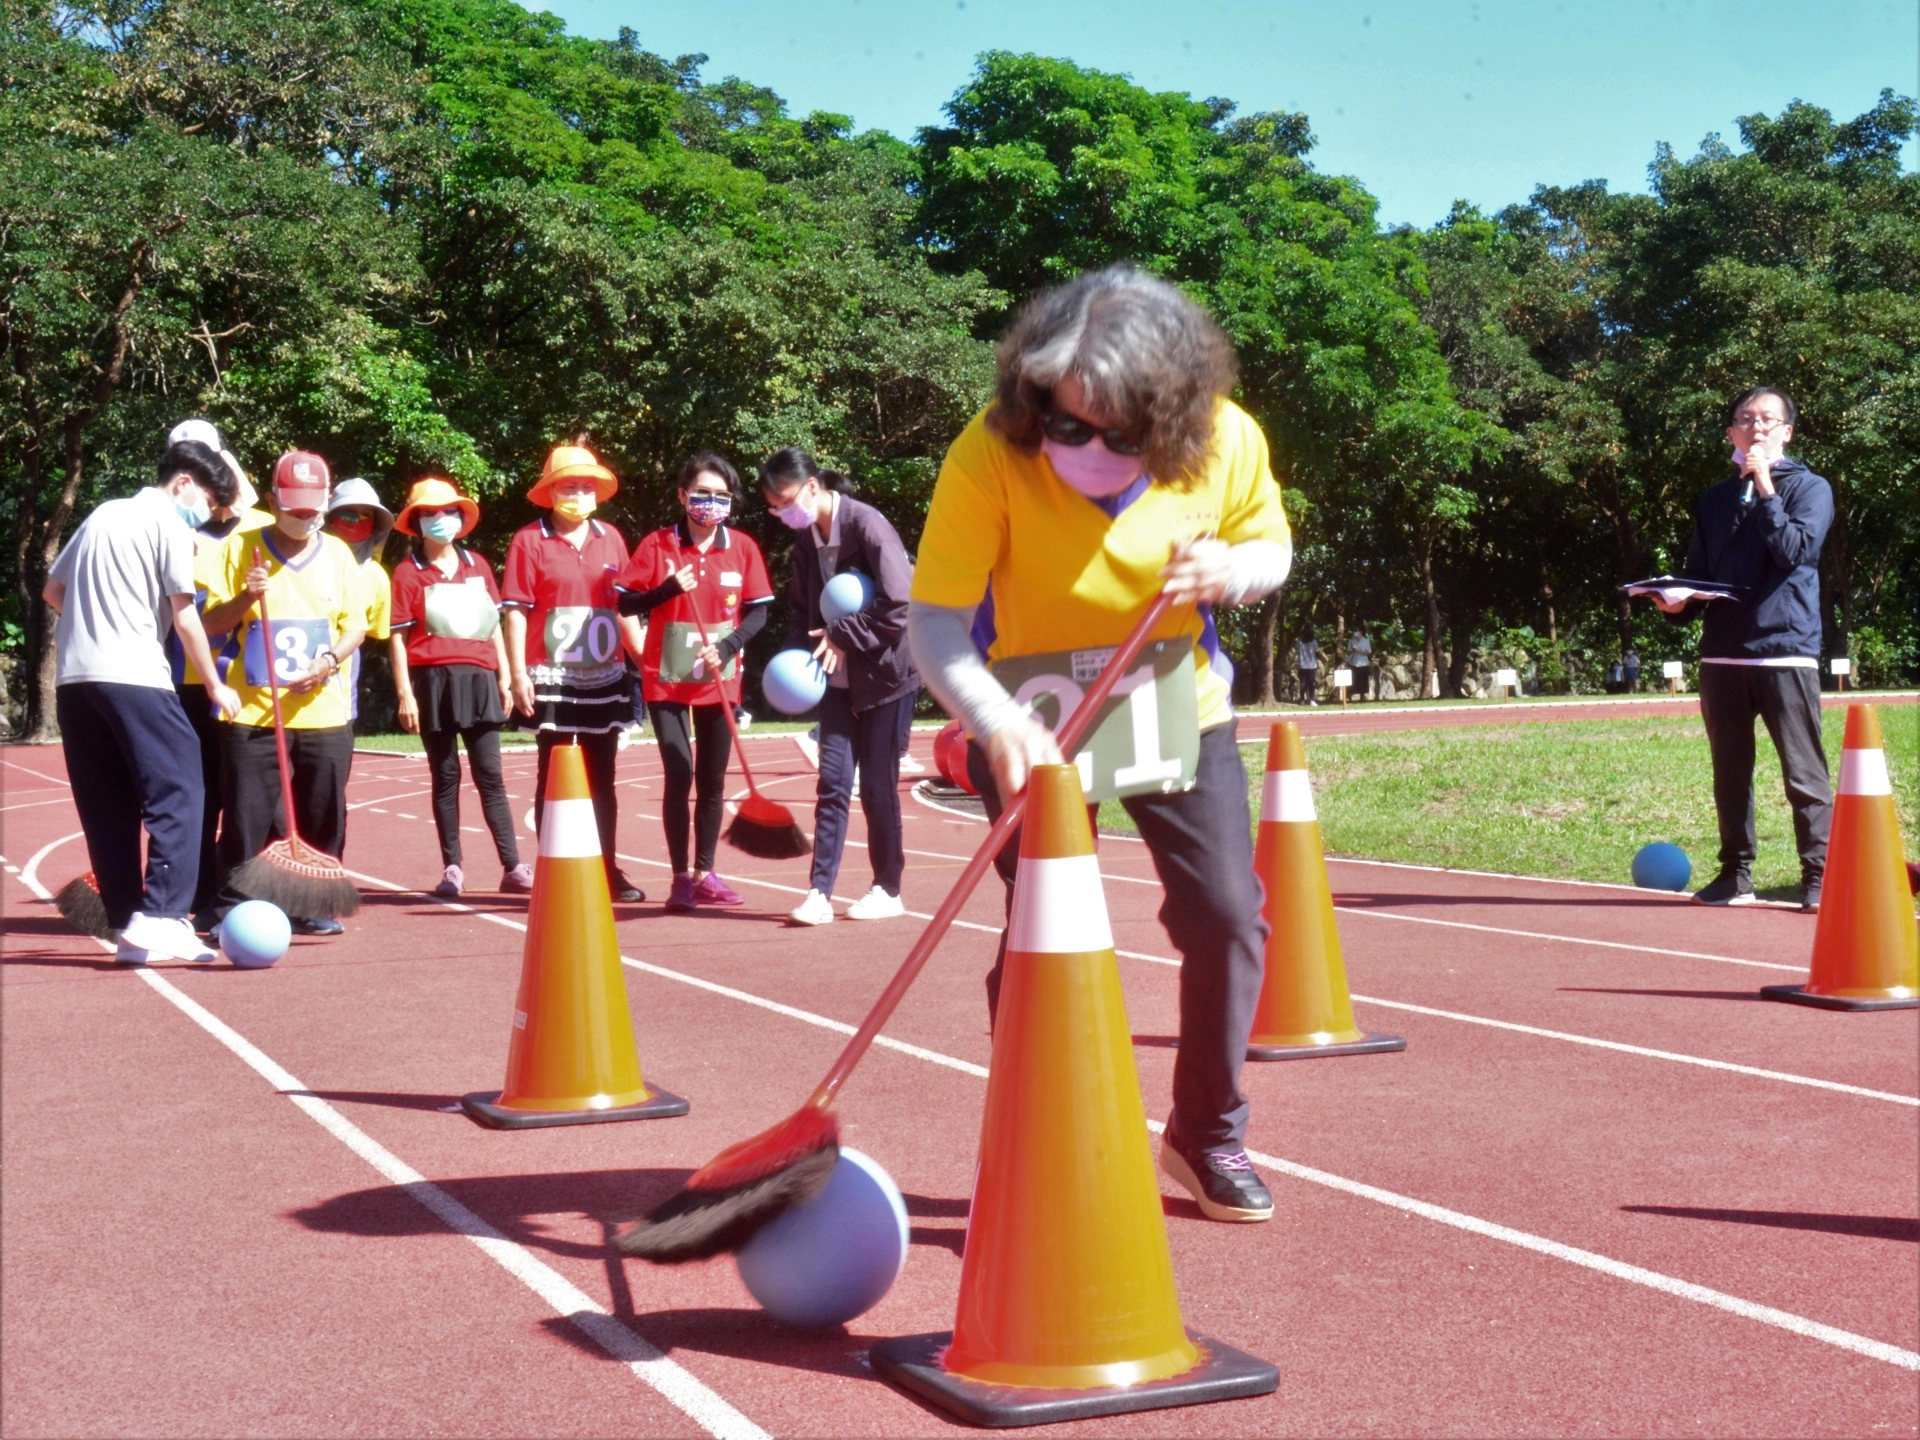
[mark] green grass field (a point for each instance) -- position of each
(1572, 800)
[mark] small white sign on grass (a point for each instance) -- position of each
(1510, 679)
(1840, 665)
(1342, 679)
(1672, 669)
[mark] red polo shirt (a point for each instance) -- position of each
(447, 619)
(732, 574)
(567, 594)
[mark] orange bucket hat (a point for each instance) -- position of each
(434, 493)
(572, 462)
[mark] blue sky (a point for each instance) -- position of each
(1423, 102)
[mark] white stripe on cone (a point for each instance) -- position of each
(1287, 797)
(570, 831)
(1059, 907)
(1864, 772)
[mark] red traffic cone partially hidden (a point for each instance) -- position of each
(1305, 1009)
(1866, 950)
(1067, 1305)
(571, 1059)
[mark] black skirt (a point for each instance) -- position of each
(457, 697)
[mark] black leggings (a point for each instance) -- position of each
(710, 739)
(483, 759)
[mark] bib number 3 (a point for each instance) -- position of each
(1146, 740)
(296, 643)
(582, 637)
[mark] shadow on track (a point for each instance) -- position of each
(1664, 994)
(1870, 1227)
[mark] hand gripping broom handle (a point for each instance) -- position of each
(273, 690)
(1072, 731)
(720, 689)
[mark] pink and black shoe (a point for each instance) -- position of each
(683, 897)
(710, 889)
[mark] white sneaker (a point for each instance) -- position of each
(911, 766)
(876, 904)
(810, 748)
(630, 735)
(816, 909)
(155, 938)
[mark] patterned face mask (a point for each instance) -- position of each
(708, 509)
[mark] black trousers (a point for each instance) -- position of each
(1787, 701)
(1201, 841)
(210, 731)
(132, 760)
(597, 752)
(866, 745)
(695, 746)
(1309, 681)
(483, 759)
(250, 786)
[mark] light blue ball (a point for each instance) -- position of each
(254, 934)
(847, 593)
(833, 1257)
(1661, 866)
(793, 682)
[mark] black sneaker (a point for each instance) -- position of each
(1729, 887)
(623, 890)
(322, 926)
(1222, 1182)
(1810, 891)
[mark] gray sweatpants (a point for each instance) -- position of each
(1788, 702)
(1202, 848)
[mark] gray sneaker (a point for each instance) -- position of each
(1729, 887)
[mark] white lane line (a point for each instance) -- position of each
(648, 1364)
(385, 799)
(35, 804)
(30, 876)
(50, 779)
(1487, 1229)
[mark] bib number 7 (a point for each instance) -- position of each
(296, 645)
(1146, 739)
(582, 637)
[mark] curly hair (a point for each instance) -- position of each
(1149, 357)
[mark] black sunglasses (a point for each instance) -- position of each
(1065, 429)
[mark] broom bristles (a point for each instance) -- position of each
(80, 905)
(305, 883)
(767, 831)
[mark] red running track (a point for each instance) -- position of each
(1604, 1191)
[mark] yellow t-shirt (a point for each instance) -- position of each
(1063, 574)
(376, 588)
(313, 604)
(206, 564)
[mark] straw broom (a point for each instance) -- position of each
(306, 883)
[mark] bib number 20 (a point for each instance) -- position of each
(581, 637)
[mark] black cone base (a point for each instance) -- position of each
(480, 1107)
(1797, 995)
(1368, 1044)
(912, 1363)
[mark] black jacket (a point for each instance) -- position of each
(879, 669)
(1769, 546)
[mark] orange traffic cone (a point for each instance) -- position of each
(1067, 1304)
(1304, 1007)
(571, 1059)
(1866, 951)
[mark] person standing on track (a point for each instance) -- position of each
(357, 519)
(450, 673)
(1762, 529)
(1110, 466)
(871, 677)
(566, 661)
(120, 585)
(699, 567)
(316, 600)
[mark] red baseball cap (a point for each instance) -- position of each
(301, 481)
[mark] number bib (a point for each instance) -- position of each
(1146, 740)
(464, 612)
(680, 662)
(296, 644)
(582, 637)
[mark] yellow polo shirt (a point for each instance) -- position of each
(1062, 573)
(313, 603)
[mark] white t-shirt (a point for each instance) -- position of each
(1359, 652)
(120, 569)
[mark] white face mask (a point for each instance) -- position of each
(296, 528)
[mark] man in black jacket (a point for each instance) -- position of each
(1761, 529)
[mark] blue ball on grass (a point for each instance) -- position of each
(847, 593)
(793, 682)
(833, 1257)
(255, 934)
(1662, 866)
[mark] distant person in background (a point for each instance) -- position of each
(123, 581)
(1761, 529)
(450, 674)
(357, 519)
(1307, 660)
(566, 643)
(1360, 661)
(698, 572)
(1630, 667)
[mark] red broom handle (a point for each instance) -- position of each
(720, 688)
(1072, 731)
(273, 690)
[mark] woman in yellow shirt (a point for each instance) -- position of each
(1110, 466)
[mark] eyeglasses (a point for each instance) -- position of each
(1065, 429)
(709, 497)
(1749, 420)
